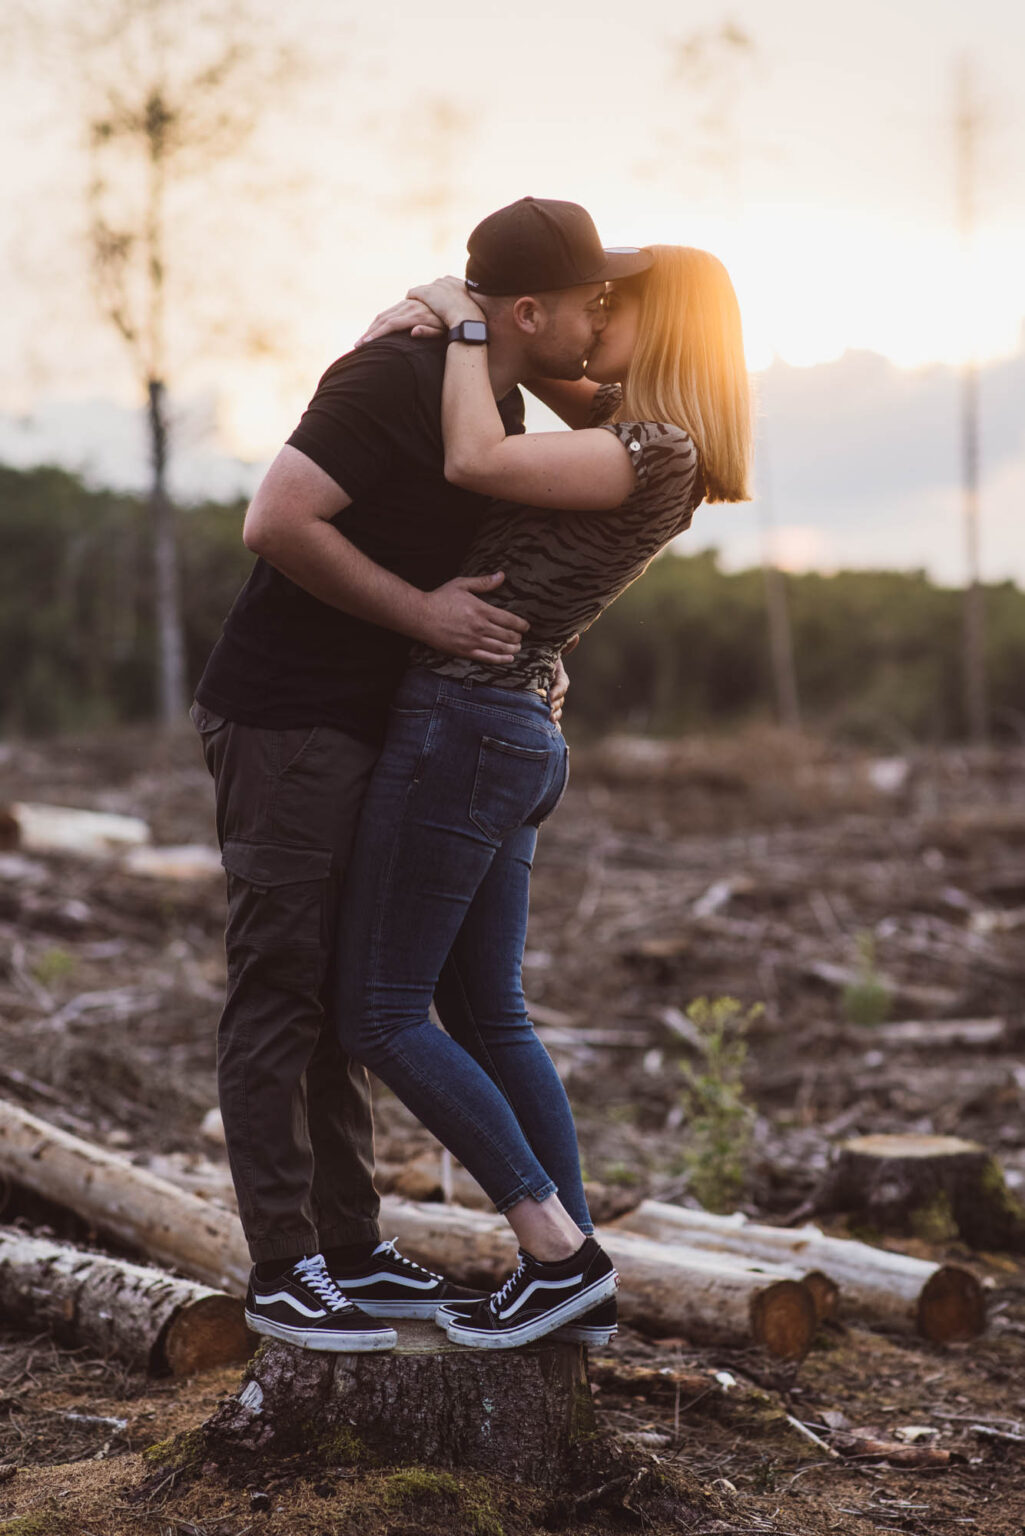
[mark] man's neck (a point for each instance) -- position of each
(505, 366)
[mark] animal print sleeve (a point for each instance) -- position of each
(607, 400)
(664, 458)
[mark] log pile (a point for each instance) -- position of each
(714, 1280)
(943, 1302)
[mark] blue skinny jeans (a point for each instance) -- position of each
(441, 873)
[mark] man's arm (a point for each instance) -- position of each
(289, 525)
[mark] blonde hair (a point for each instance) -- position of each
(688, 365)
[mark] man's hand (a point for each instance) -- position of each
(560, 682)
(462, 624)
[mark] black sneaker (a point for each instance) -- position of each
(594, 1328)
(389, 1285)
(305, 1307)
(538, 1298)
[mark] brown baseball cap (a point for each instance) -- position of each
(538, 244)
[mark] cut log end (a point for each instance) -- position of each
(783, 1319)
(825, 1295)
(952, 1306)
(208, 1333)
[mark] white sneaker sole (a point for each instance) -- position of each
(594, 1338)
(345, 1342)
(537, 1327)
(569, 1333)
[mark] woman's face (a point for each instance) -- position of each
(608, 361)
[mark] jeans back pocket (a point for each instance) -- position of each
(507, 786)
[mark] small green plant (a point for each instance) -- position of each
(867, 1000)
(53, 965)
(719, 1117)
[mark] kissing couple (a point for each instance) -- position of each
(382, 719)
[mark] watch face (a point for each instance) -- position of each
(474, 330)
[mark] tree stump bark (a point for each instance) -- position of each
(935, 1187)
(151, 1320)
(515, 1412)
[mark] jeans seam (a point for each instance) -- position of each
(374, 947)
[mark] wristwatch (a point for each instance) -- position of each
(473, 331)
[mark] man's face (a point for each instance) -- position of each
(570, 320)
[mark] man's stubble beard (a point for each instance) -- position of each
(553, 363)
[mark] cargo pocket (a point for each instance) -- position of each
(507, 786)
(278, 911)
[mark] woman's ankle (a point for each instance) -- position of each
(545, 1230)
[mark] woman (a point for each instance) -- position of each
(473, 764)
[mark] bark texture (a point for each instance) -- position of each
(517, 1412)
(149, 1319)
(936, 1187)
(169, 1225)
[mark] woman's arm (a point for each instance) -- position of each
(583, 471)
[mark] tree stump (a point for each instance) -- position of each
(935, 1187)
(514, 1412)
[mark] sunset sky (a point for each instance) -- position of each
(825, 180)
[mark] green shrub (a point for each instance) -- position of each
(719, 1117)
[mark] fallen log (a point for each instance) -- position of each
(929, 1000)
(64, 829)
(143, 1211)
(945, 1303)
(516, 1412)
(933, 1034)
(186, 863)
(718, 1300)
(145, 1317)
(936, 1187)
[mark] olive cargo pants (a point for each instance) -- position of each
(296, 1109)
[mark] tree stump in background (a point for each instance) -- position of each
(518, 1413)
(935, 1187)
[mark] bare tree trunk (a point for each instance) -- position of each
(166, 587)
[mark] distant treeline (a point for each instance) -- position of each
(877, 652)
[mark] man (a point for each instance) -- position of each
(359, 537)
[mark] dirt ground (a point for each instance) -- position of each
(775, 870)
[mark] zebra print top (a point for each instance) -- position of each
(563, 568)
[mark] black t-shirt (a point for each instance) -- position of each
(284, 658)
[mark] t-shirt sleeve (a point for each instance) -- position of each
(664, 458)
(349, 427)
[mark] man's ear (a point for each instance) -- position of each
(527, 315)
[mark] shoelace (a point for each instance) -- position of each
(507, 1289)
(313, 1272)
(392, 1251)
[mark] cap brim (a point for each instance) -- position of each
(623, 261)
